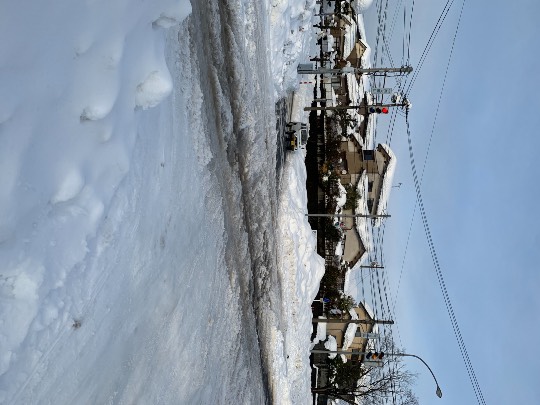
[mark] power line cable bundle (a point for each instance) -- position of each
(417, 182)
(438, 270)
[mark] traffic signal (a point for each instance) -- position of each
(374, 109)
(374, 355)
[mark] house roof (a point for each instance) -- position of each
(361, 224)
(388, 178)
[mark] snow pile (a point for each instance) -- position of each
(300, 274)
(291, 35)
(342, 199)
(331, 345)
(339, 249)
(321, 333)
(104, 129)
(293, 42)
(76, 74)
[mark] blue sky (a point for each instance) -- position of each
(480, 191)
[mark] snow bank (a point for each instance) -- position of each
(74, 77)
(321, 333)
(291, 40)
(83, 83)
(301, 272)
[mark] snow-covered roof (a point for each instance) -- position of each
(342, 199)
(354, 88)
(362, 224)
(361, 5)
(349, 38)
(350, 333)
(370, 128)
(347, 281)
(348, 337)
(387, 183)
(368, 309)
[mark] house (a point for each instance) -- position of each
(349, 337)
(379, 165)
(354, 57)
(342, 24)
(369, 172)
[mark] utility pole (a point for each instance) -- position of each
(357, 321)
(341, 352)
(349, 215)
(307, 68)
(362, 109)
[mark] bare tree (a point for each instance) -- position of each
(373, 385)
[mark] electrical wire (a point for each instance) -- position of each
(438, 270)
(431, 40)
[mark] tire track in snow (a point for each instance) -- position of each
(228, 123)
(231, 48)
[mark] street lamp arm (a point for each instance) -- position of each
(438, 391)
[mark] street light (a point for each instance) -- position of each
(438, 391)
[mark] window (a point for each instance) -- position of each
(355, 357)
(368, 155)
(370, 186)
(370, 204)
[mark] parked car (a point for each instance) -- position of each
(297, 133)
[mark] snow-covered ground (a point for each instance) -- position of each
(146, 253)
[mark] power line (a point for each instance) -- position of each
(449, 308)
(431, 40)
(438, 270)
(419, 202)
